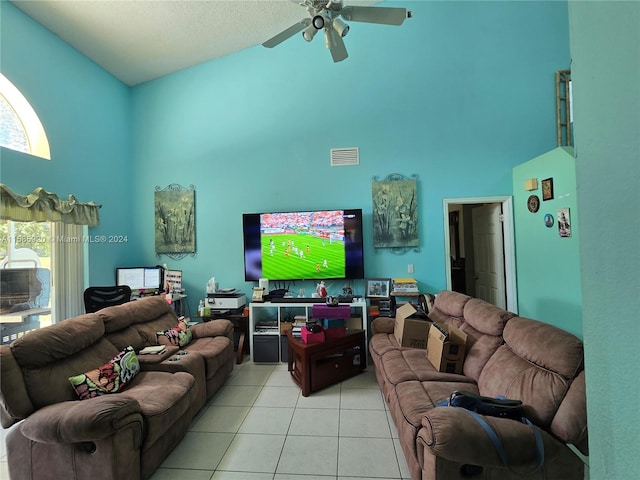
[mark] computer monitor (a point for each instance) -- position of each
(147, 279)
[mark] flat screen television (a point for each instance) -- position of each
(303, 245)
(141, 278)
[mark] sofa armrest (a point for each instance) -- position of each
(383, 325)
(452, 433)
(213, 328)
(84, 420)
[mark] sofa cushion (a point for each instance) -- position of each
(216, 352)
(164, 399)
(536, 364)
(111, 377)
(408, 403)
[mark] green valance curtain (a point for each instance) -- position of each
(42, 206)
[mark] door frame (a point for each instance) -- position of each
(508, 245)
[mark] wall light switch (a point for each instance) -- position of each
(410, 268)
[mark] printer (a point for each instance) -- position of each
(225, 299)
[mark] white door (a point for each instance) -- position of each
(488, 254)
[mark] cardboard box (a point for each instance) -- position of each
(411, 328)
(354, 323)
(285, 327)
(446, 348)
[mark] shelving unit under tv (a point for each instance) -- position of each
(271, 346)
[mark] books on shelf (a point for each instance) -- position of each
(405, 285)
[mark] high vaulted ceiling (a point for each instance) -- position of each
(139, 40)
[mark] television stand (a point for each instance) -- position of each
(298, 300)
(268, 322)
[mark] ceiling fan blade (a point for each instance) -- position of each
(384, 15)
(335, 44)
(287, 33)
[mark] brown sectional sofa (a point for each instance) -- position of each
(115, 436)
(507, 356)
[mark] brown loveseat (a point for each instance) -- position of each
(507, 356)
(118, 435)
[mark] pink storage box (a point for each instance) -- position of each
(310, 337)
(324, 311)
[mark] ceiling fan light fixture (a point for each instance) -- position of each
(328, 38)
(321, 20)
(318, 22)
(309, 33)
(340, 27)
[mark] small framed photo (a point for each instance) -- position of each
(547, 189)
(378, 287)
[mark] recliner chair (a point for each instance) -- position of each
(96, 298)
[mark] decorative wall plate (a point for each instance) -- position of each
(533, 203)
(548, 220)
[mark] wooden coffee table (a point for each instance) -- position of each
(314, 366)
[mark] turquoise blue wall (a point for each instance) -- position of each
(548, 265)
(458, 95)
(605, 48)
(86, 114)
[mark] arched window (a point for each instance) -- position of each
(20, 127)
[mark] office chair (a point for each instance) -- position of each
(96, 298)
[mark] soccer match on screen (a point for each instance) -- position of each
(303, 245)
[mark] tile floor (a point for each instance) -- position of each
(260, 427)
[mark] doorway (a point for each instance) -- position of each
(480, 260)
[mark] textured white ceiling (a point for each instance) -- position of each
(139, 40)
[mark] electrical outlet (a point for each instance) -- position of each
(410, 268)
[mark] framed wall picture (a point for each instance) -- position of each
(564, 222)
(547, 189)
(175, 229)
(378, 287)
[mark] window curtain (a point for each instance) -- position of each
(42, 206)
(67, 259)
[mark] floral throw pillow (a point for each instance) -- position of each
(109, 378)
(179, 335)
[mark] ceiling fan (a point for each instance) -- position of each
(325, 15)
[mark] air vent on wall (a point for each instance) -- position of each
(344, 156)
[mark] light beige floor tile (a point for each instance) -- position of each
(361, 399)
(241, 476)
(278, 397)
(318, 422)
(280, 378)
(392, 426)
(251, 375)
(236, 395)
(326, 398)
(179, 473)
(309, 455)
(366, 379)
(220, 418)
(367, 457)
(253, 453)
(199, 450)
(364, 423)
(4, 470)
(273, 420)
(289, 476)
(402, 463)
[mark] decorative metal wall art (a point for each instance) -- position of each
(175, 221)
(395, 213)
